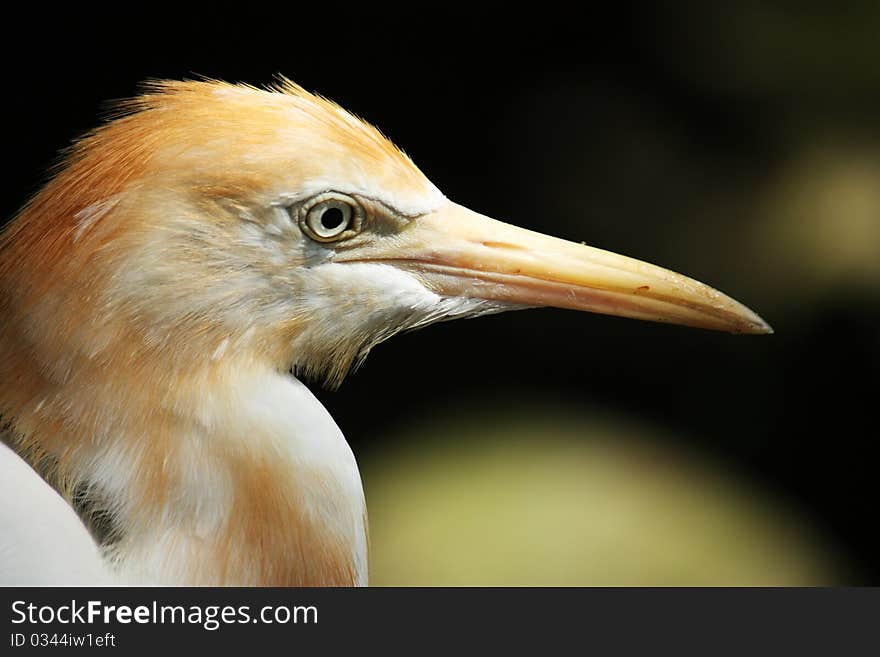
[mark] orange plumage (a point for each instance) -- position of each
(196, 254)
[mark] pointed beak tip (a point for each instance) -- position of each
(763, 328)
(753, 324)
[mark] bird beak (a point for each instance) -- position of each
(457, 252)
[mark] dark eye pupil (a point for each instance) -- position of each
(332, 218)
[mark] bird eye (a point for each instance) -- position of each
(329, 216)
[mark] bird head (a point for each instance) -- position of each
(211, 221)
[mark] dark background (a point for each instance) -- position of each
(738, 145)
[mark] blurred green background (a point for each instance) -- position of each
(549, 497)
(737, 143)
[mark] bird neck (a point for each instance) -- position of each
(240, 477)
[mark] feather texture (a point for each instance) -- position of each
(143, 295)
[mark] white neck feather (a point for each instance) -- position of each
(272, 452)
(253, 484)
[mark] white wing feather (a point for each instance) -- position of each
(42, 540)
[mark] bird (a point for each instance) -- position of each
(192, 264)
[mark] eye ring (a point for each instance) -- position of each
(330, 217)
